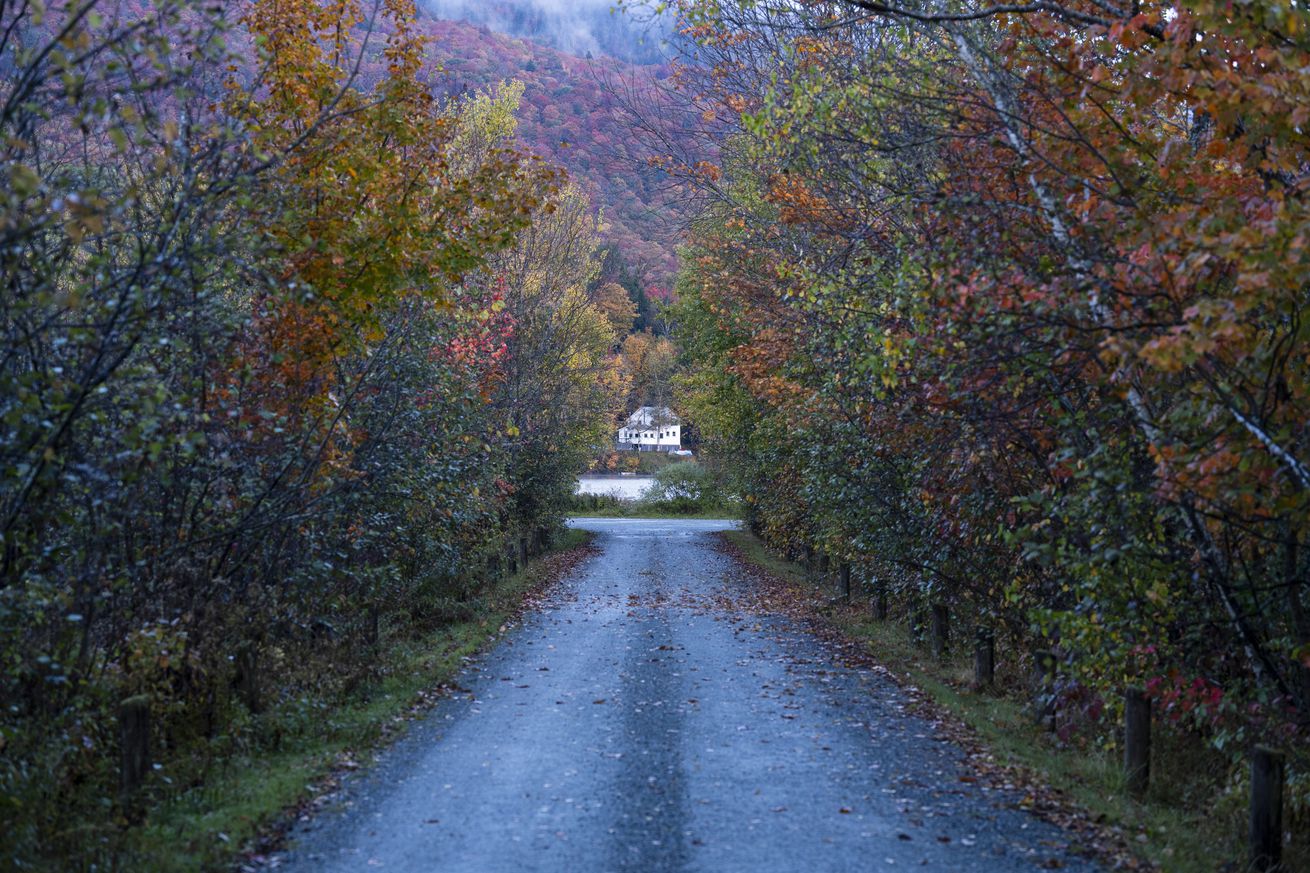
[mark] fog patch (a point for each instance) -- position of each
(574, 26)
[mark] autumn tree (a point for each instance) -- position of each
(293, 347)
(619, 308)
(1005, 306)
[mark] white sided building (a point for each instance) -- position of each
(651, 429)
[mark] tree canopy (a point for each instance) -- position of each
(1006, 305)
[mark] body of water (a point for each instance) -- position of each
(623, 487)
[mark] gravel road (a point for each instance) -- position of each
(647, 719)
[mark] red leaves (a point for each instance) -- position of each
(1179, 698)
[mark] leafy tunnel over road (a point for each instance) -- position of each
(658, 715)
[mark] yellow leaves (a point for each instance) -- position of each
(807, 45)
(23, 180)
(798, 203)
(1158, 593)
(85, 215)
(707, 171)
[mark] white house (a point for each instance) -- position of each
(651, 429)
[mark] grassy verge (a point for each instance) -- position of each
(1184, 825)
(238, 807)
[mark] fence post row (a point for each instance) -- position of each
(247, 678)
(940, 629)
(134, 742)
(1137, 741)
(1266, 834)
(984, 657)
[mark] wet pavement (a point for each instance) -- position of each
(651, 718)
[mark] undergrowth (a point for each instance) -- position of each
(234, 803)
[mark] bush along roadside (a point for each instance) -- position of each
(205, 807)
(1033, 381)
(318, 353)
(1019, 723)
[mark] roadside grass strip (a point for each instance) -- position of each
(1186, 824)
(243, 808)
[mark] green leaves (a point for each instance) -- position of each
(255, 381)
(1013, 312)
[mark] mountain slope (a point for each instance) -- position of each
(571, 116)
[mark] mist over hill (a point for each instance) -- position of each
(578, 27)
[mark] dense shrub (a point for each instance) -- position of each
(270, 391)
(1013, 321)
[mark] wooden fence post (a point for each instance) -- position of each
(134, 740)
(880, 601)
(1137, 741)
(940, 629)
(1044, 688)
(1266, 809)
(844, 581)
(247, 679)
(984, 657)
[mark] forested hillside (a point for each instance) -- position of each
(571, 114)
